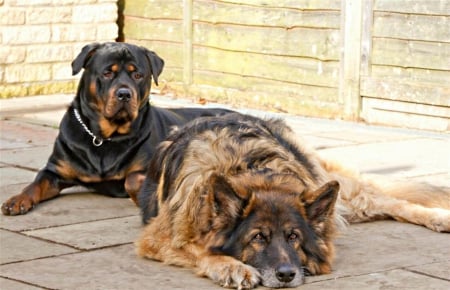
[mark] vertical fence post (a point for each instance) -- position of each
(350, 61)
(187, 44)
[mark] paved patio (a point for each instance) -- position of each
(85, 241)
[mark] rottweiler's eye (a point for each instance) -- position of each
(137, 76)
(108, 74)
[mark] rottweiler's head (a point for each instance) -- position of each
(116, 82)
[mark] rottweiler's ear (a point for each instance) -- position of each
(80, 61)
(321, 208)
(156, 64)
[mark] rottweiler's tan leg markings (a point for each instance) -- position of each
(45, 186)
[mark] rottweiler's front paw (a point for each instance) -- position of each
(19, 204)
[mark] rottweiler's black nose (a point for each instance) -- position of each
(285, 273)
(123, 94)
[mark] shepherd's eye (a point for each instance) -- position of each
(107, 74)
(137, 76)
(259, 237)
(292, 237)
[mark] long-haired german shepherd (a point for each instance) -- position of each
(241, 201)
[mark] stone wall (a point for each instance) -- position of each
(40, 38)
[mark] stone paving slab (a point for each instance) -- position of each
(7, 284)
(386, 245)
(404, 158)
(92, 235)
(85, 241)
(33, 158)
(441, 269)
(25, 134)
(70, 209)
(12, 175)
(395, 279)
(364, 251)
(28, 248)
(112, 268)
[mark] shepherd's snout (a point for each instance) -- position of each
(285, 273)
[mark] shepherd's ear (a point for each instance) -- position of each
(226, 200)
(156, 64)
(80, 61)
(322, 207)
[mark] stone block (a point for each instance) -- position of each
(26, 34)
(63, 71)
(90, 13)
(78, 206)
(27, 73)
(27, 248)
(98, 234)
(46, 15)
(9, 54)
(49, 53)
(71, 32)
(12, 16)
(107, 31)
(29, 3)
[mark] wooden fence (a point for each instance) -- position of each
(384, 61)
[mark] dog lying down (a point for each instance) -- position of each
(242, 202)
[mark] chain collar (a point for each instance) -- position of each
(96, 141)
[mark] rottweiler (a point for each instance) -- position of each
(109, 132)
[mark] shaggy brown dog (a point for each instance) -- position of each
(241, 201)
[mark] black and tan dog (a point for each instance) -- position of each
(242, 201)
(109, 132)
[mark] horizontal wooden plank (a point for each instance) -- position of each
(170, 52)
(296, 4)
(404, 114)
(322, 44)
(155, 9)
(162, 30)
(414, 27)
(417, 74)
(269, 87)
(417, 54)
(407, 90)
(220, 12)
(289, 69)
(256, 93)
(434, 7)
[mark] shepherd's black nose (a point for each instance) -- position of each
(123, 94)
(285, 273)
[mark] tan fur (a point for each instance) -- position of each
(367, 197)
(187, 226)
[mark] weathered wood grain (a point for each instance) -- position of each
(406, 114)
(220, 12)
(321, 44)
(162, 30)
(414, 74)
(155, 9)
(263, 94)
(298, 4)
(406, 89)
(311, 57)
(412, 26)
(350, 61)
(408, 53)
(433, 7)
(294, 69)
